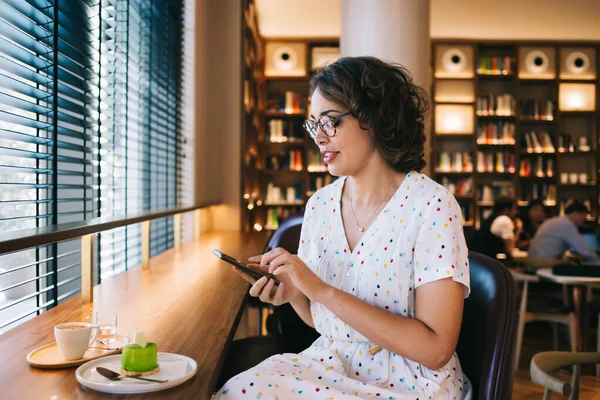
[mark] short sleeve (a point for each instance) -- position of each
(440, 249)
(305, 232)
(503, 227)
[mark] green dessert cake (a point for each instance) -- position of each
(140, 357)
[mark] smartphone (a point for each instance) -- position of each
(254, 273)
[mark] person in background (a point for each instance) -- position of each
(559, 234)
(532, 219)
(497, 233)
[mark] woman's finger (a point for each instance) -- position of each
(265, 295)
(257, 288)
(283, 269)
(270, 255)
(255, 259)
(277, 261)
(278, 298)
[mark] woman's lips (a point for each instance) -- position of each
(329, 156)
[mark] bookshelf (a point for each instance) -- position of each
(287, 168)
(518, 119)
(253, 86)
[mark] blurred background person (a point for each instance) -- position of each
(497, 233)
(559, 234)
(530, 221)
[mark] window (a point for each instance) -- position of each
(90, 126)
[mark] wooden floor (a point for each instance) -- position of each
(538, 337)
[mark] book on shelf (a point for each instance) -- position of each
(315, 162)
(496, 105)
(277, 214)
(320, 182)
(281, 131)
(539, 167)
(286, 161)
(453, 162)
(567, 144)
(496, 133)
(275, 194)
(539, 191)
(499, 162)
(495, 65)
(489, 192)
(537, 110)
(288, 102)
(458, 187)
(538, 142)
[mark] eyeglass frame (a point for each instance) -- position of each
(334, 120)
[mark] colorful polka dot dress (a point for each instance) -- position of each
(417, 238)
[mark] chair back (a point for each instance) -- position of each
(486, 345)
(296, 334)
(287, 236)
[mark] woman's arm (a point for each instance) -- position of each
(428, 339)
(302, 307)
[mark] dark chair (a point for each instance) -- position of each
(287, 236)
(486, 345)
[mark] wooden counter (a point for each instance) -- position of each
(189, 302)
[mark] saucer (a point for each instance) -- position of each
(49, 357)
(173, 367)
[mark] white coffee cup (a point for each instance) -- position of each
(74, 338)
(583, 177)
(564, 177)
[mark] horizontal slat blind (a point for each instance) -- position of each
(89, 126)
(185, 150)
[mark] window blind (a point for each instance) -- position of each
(90, 126)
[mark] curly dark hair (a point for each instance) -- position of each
(384, 99)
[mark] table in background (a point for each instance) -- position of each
(577, 282)
(189, 302)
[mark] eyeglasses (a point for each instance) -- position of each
(327, 124)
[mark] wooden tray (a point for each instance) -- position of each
(48, 356)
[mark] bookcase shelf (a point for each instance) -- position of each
(536, 122)
(497, 77)
(278, 181)
(279, 114)
(527, 92)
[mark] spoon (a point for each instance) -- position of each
(113, 376)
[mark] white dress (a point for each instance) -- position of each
(417, 238)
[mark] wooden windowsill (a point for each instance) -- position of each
(189, 302)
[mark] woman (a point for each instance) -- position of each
(530, 222)
(382, 267)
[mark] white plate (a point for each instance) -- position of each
(174, 367)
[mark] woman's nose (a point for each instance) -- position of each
(320, 137)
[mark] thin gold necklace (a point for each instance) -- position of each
(376, 208)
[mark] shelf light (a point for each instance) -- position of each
(577, 97)
(453, 119)
(258, 227)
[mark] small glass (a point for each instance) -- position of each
(107, 327)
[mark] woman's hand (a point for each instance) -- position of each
(292, 271)
(265, 288)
